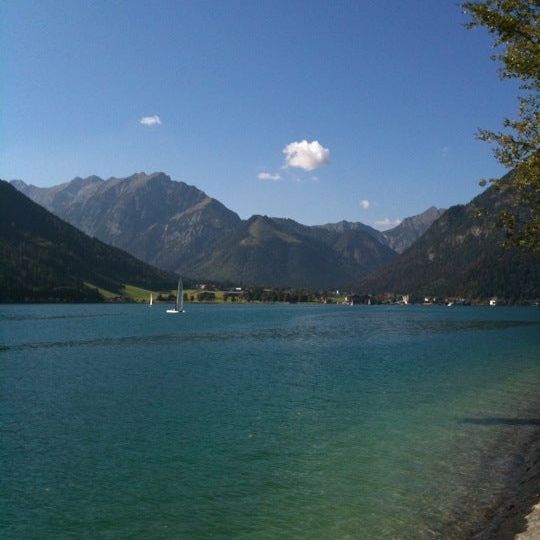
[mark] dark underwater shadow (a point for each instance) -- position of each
(501, 421)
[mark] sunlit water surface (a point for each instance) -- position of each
(260, 422)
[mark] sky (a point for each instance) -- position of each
(314, 110)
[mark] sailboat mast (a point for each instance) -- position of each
(180, 295)
(178, 292)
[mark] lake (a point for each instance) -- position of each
(261, 421)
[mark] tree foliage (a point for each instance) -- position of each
(515, 26)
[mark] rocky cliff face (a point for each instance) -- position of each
(163, 222)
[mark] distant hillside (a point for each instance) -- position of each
(411, 229)
(284, 253)
(398, 238)
(348, 226)
(461, 255)
(42, 258)
(179, 228)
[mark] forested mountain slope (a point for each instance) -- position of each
(44, 258)
(461, 255)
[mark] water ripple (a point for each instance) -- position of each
(50, 317)
(314, 331)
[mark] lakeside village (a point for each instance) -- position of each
(217, 293)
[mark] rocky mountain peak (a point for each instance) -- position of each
(18, 184)
(93, 179)
(411, 229)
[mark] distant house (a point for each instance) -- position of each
(354, 299)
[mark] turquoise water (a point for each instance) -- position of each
(260, 422)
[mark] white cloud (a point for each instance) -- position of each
(364, 204)
(150, 120)
(387, 223)
(306, 155)
(268, 176)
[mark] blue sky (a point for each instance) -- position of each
(391, 91)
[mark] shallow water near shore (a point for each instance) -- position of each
(261, 422)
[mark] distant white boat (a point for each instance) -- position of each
(151, 303)
(179, 306)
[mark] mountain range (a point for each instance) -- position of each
(43, 258)
(462, 255)
(179, 228)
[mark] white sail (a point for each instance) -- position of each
(180, 296)
(151, 303)
(179, 304)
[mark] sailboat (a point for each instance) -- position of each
(151, 303)
(179, 306)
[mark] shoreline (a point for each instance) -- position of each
(533, 525)
(511, 516)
